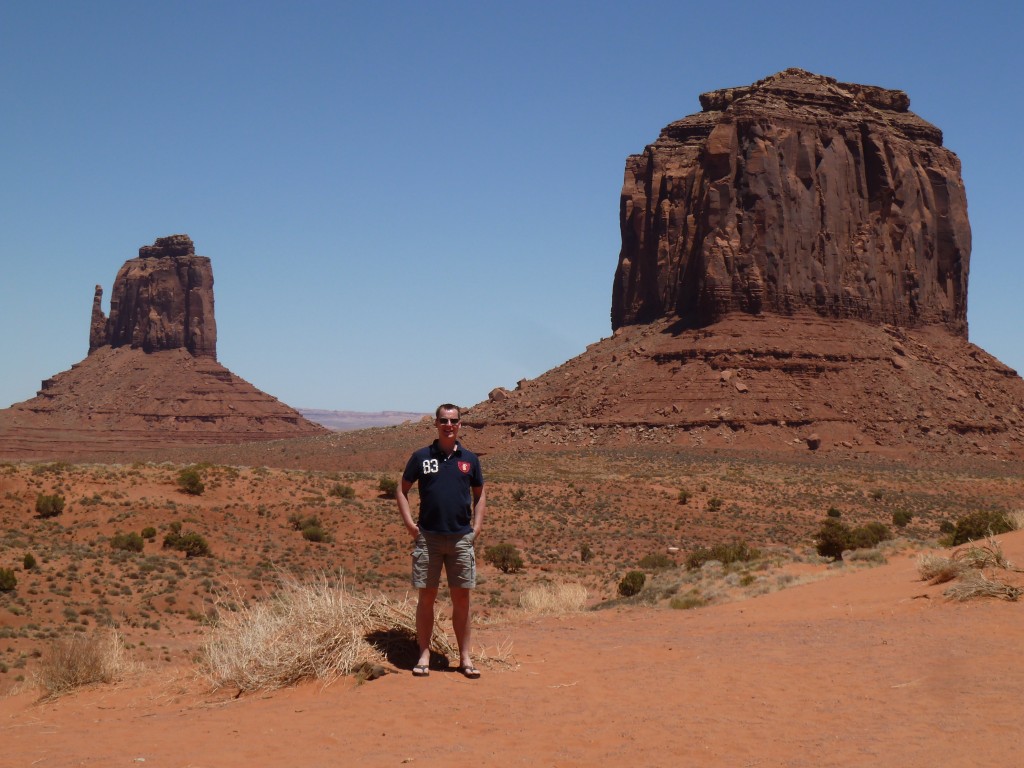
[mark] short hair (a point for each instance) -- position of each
(446, 407)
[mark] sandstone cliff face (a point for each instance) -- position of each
(795, 193)
(161, 300)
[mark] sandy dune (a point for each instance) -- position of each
(872, 667)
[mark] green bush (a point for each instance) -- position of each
(632, 583)
(586, 553)
(149, 533)
(684, 496)
(8, 581)
(298, 522)
(714, 504)
(49, 506)
(504, 557)
(316, 534)
(833, 512)
(340, 491)
(833, 538)
(29, 562)
(870, 535)
(947, 528)
(734, 552)
(129, 542)
(191, 543)
(518, 495)
(901, 518)
(980, 525)
(388, 486)
(190, 481)
(656, 562)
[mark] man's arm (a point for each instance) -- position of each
(479, 509)
(402, 496)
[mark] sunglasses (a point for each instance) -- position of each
(447, 421)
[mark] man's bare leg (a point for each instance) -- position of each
(425, 622)
(461, 623)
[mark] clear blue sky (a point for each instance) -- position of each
(410, 202)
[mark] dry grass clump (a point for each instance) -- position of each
(967, 567)
(936, 569)
(979, 556)
(79, 660)
(554, 599)
(973, 584)
(307, 631)
(1016, 519)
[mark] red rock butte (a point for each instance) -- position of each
(792, 276)
(151, 378)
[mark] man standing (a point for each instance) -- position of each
(452, 506)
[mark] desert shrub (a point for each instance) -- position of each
(936, 569)
(149, 532)
(505, 557)
(388, 486)
(340, 491)
(687, 602)
(870, 535)
(518, 495)
(190, 481)
(901, 518)
(974, 583)
(655, 562)
(833, 538)
(315, 534)
(129, 542)
(191, 543)
(714, 504)
(29, 561)
(586, 553)
(82, 660)
(833, 512)
(632, 583)
(684, 496)
(8, 581)
(49, 505)
(734, 552)
(980, 525)
(554, 599)
(298, 521)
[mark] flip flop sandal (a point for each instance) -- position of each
(421, 670)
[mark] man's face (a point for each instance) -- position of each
(448, 424)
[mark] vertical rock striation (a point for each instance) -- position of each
(795, 193)
(161, 300)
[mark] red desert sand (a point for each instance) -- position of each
(872, 667)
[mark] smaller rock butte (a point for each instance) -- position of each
(161, 300)
(151, 378)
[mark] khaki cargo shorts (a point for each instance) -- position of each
(454, 552)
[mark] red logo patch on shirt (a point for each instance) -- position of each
(464, 467)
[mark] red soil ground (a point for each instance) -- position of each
(873, 667)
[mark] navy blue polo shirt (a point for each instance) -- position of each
(446, 488)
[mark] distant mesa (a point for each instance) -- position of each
(792, 277)
(797, 193)
(151, 378)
